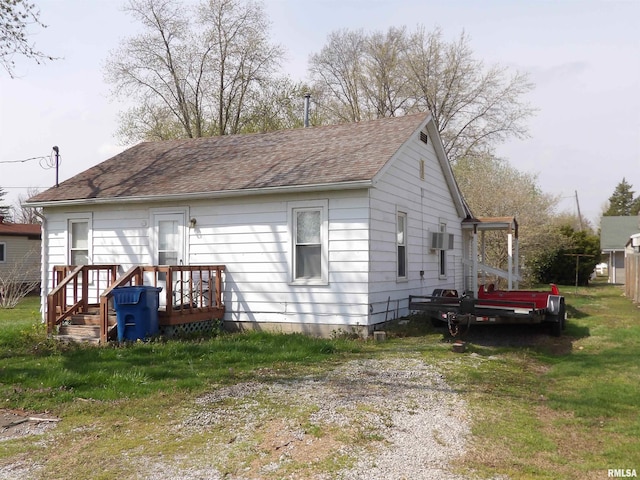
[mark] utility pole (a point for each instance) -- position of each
(578, 205)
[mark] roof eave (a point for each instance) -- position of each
(436, 141)
(352, 185)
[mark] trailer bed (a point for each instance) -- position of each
(494, 306)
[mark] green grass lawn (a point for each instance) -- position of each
(560, 408)
(541, 407)
(38, 373)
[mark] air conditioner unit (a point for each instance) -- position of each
(441, 241)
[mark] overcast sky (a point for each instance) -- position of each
(583, 57)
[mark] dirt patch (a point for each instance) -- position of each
(517, 336)
(18, 423)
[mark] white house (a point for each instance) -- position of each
(615, 232)
(318, 228)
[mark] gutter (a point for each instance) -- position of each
(354, 185)
(44, 265)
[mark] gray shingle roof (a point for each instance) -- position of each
(615, 231)
(306, 156)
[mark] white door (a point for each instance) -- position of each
(169, 230)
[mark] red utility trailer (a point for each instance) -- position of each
(493, 306)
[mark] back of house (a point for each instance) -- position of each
(318, 229)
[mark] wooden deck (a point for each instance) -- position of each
(190, 293)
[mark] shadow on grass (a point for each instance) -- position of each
(573, 312)
(491, 336)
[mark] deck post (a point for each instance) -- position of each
(104, 318)
(218, 287)
(510, 260)
(474, 254)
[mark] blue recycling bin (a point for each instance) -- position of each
(136, 311)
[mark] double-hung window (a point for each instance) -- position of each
(79, 242)
(401, 244)
(308, 221)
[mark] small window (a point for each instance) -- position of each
(3, 252)
(401, 242)
(308, 244)
(309, 255)
(78, 242)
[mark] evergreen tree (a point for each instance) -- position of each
(621, 202)
(635, 206)
(5, 211)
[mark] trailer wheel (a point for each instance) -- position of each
(557, 321)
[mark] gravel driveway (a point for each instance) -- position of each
(411, 423)
(390, 419)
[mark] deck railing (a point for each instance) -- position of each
(76, 289)
(190, 293)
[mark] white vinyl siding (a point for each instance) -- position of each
(252, 238)
(427, 202)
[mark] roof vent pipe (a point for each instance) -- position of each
(307, 98)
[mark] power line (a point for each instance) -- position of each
(47, 162)
(42, 157)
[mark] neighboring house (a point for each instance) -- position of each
(614, 234)
(319, 228)
(20, 251)
(632, 267)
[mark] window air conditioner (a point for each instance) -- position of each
(441, 241)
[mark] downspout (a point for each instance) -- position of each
(44, 265)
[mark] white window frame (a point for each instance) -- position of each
(312, 205)
(80, 218)
(442, 253)
(3, 249)
(402, 244)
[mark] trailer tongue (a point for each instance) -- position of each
(493, 306)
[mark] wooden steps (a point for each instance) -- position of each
(85, 328)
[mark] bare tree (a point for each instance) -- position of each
(359, 76)
(23, 214)
(278, 105)
(193, 71)
(493, 188)
(337, 74)
(474, 107)
(16, 16)
(386, 84)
